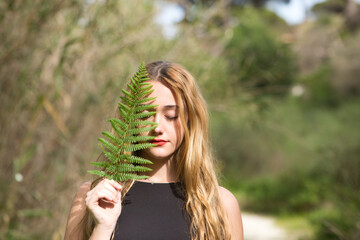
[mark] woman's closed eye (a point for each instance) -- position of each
(170, 117)
(171, 112)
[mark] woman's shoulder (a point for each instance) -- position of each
(231, 205)
(227, 197)
(233, 212)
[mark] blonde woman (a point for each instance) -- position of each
(181, 199)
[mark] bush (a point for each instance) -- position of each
(259, 62)
(289, 193)
(342, 220)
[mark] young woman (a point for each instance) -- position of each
(181, 199)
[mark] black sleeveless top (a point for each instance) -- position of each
(153, 211)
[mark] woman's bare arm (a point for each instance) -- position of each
(232, 210)
(77, 213)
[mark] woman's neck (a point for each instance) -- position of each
(163, 171)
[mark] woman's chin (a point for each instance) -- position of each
(157, 155)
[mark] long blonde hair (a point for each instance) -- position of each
(195, 164)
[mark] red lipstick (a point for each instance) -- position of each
(159, 142)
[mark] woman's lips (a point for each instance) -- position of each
(159, 142)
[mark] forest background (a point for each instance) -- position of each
(284, 103)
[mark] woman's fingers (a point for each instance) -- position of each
(104, 202)
(114, 188)
(106, 189)
(107, 195)
(115, 184)
(111, 187)
(110, 184)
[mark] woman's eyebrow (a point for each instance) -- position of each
(166, 107)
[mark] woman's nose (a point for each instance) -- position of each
(159, 127)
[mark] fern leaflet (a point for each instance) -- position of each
(126, 138)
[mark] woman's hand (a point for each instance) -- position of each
(104, 203)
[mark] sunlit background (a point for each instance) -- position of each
(281, 79)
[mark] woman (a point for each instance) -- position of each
(181, 199)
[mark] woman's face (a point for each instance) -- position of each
(169, 133)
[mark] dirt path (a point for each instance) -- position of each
(257, 227)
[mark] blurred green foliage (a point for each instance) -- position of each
(260, 63)
(320, 90)
(298, 154)
(311, 167)
(284, 104)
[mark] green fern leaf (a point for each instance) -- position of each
(126, 108)
(135, 139)
(116, 123)
(137, 147)
(126, 117)
(97, 172)
(134, 159)
(113, 138)
(109, 146)
(100, 164)
(113, 158)
(142, 123)
(135, 131)
(126, 167)
(143, 115)
(142, 108)
(118, 146)
(145, 100)
(133, 89)
(127, 94)
(126, 176)
(133, 82)
(127, 101)
(144, 93)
